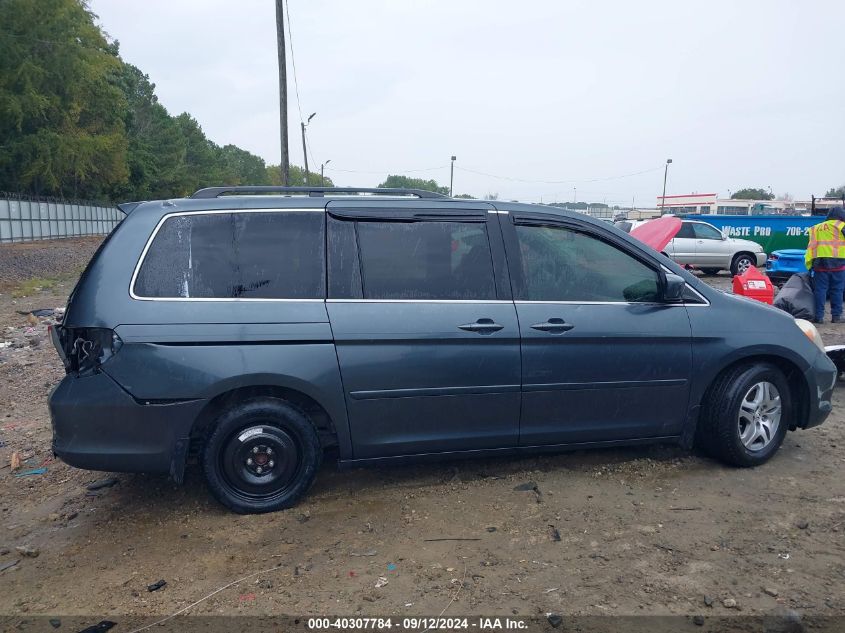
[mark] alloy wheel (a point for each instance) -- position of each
(759, 416)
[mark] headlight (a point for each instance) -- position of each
(810, 332)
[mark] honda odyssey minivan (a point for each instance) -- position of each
(251, 329)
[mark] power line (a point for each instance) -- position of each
(386, 171)
(557, 182)
(293, 61)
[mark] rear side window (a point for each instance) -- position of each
(426, 260)
(247, 255)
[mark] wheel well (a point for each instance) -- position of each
(794, 376)
(306, 404)
(740, 253)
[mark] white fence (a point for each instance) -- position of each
(24, 220)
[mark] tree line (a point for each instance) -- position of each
(76, 121)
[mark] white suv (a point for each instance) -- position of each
(704, 246)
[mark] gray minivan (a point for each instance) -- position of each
(254, 328)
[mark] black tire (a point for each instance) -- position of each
(711, 271)
(741, 262)
(719, 426)
(261, 456)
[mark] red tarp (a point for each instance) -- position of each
(658, 233)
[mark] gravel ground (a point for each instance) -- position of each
(57, 258)
(637, 531)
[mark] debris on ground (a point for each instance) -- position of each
(32, 471)
(102, 483)
(381, 582)
(156, 585)
(369, 552)
(28, 551)
(9, 564)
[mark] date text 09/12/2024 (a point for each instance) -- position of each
(418, 624)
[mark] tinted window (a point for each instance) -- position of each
(344, 267)
(426, 260)
(707, 232)
(563, 265)
(236, 255)
(686, 231)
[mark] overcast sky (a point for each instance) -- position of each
(576, 94)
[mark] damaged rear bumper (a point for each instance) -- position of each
(99, 426)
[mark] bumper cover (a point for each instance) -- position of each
(761, 259)
(99, 426)
(821, 380)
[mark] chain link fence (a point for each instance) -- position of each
(26, 218)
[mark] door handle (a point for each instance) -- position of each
(553, 326)
(482, 326)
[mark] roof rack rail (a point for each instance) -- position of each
(316, 192)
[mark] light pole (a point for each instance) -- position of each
(304, 148)
(322, 172)
(452, 177)
(574, 195)
(665, 174)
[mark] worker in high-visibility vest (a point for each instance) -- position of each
(825, 258)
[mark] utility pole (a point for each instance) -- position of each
(322, 172)
(284, 165)
(452, 178)
(304, 146)
(663, 198)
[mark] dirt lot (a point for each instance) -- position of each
(638, 531)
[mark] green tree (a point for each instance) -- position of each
(297, 177)
(835, 192)
(465, 196)
(750, 193)
(156, 156)
(243, 168)
(61, 111)
(404, 182)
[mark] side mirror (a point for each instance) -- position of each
(673, 288)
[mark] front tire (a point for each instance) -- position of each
(262, 456)
(742, 262)
(745, 415)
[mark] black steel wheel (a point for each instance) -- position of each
(262, 456)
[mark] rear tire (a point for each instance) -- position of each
(745, 415)
(262, 456)
(711, 271)
(742, 262)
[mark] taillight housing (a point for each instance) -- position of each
(83, 350)
(774, 257)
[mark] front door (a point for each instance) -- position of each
(711, 248)
(425, 330)
(602, 358)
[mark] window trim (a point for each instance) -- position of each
(167, 216)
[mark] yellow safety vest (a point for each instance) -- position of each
(825, 241)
